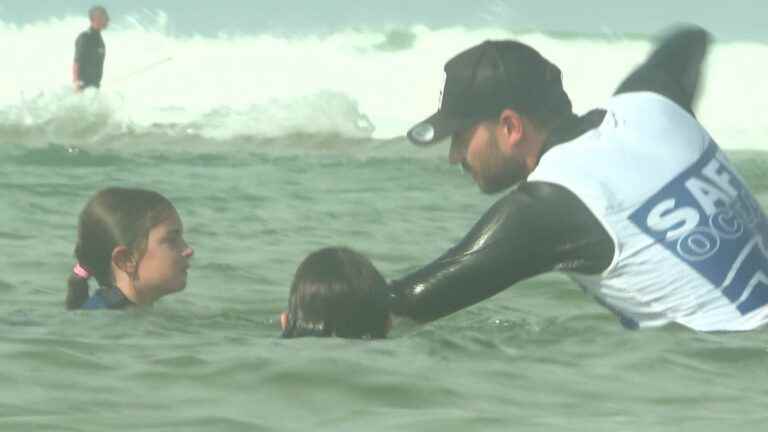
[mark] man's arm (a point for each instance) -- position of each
(673, 69)
(76, 76)
(536, 228)
(79, 50)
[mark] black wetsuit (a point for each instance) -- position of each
(540, 227)
(89, 56)
(107, 298)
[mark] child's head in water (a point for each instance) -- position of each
(131, 241)
(334, 294)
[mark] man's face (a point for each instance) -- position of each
(99, 21)
(481, 150)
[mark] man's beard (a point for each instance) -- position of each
(502, 172)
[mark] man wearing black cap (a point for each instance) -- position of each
(90, 51)
(635, 202)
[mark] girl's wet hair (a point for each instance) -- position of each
(334, 293)
(113, 217)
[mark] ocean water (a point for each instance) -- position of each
(272, 146)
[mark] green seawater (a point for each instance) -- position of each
(538, 357)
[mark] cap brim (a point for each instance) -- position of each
(436, 128)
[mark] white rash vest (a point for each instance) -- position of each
(691, 241)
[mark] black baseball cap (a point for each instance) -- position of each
(486, 79)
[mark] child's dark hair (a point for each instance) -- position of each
(113, 217)
(334, 294)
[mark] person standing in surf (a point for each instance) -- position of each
(90, 52)
(635, 201)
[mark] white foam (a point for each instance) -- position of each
(267, 85)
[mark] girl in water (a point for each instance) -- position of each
(131, 241)
(334, 294)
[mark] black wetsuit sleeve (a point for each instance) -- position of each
(534, 229)
(673, 68)
(80, 47)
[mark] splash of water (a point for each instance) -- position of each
(352, 83)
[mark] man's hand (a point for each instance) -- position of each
(77, 84)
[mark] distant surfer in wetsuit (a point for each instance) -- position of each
(90, 51)
(634, 201)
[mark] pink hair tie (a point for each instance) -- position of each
(81, 272)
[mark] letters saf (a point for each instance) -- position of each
(707, 218)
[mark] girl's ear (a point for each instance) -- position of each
(284, 320)
(123, 259)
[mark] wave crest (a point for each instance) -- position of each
(351, 83)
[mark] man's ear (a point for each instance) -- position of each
(510, 130)
(123, 259)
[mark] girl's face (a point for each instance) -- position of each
(163, 268)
